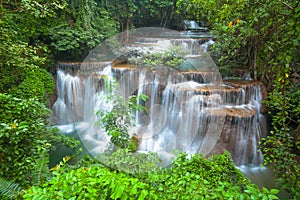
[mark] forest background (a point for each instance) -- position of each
(260, 36)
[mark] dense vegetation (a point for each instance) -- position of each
(260, 36)
(189, 178)
(25, 139)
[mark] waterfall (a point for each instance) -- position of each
(69, 98)
(190, 109)
(187, 116)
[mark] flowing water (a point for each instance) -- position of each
(191, 109)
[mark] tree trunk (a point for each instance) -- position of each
(1, 9)
(255, 64)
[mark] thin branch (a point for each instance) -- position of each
(287, 5)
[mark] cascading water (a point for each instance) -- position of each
(191, 109)
(69, 100)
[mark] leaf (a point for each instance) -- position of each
(9, 189)
(118, 190)
(134, 189)
(274, 191)
(143, 195)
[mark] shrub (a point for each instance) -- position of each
(24, 137)
(21, 72)
(90, 182)
(191, 177)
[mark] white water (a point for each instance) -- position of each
(184, 115)
(178, 118)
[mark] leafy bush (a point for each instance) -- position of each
(90, 182)
(172, 57)
(284, 139)
(21, 72)
(37, 83)
(130, 162)
(24, 138)
(191, 177)
(195, 177)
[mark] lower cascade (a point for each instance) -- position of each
(191, 109)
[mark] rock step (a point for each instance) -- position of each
(228, 95)
(168, 74)
(240, 135)
(174, 41)
(242, 73)
(82, 68)
(244, 111)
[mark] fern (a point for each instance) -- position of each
(41, 172)
(9, 189)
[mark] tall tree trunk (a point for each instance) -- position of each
(255, 63)
(1, 6)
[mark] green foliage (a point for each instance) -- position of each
(156, 13)
(142, 13)
(69, 28)
(86, 26)
(24, 139)
(282, 141)
(91, 182)
(195, 177)
(251, 34)
(121, 11)
(20, 72)
(172, 57)
(119, 118)
(9, 189)
(43, 9)
(137, 164)
(28, 19)
(191, 177)
(37, 83)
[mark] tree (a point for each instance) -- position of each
(143, 13)
(121, 11)
(85, 26)
(119, 118)
(158, 13)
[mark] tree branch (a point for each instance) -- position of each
(287, 5)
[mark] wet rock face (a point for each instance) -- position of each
(240, 135)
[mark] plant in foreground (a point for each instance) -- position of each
(190, 177)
